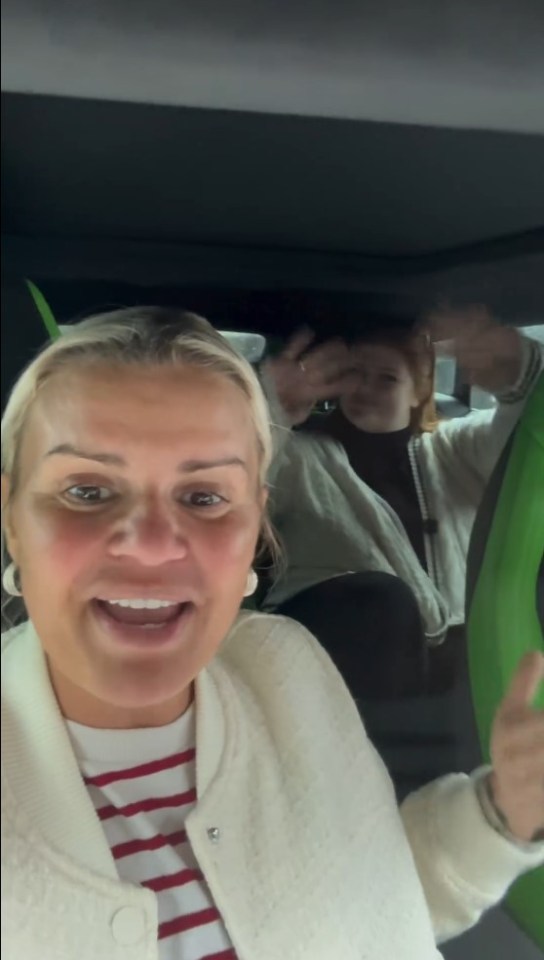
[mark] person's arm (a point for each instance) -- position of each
(472, 837)
(504, 363)
(464, 864)
(295, 380)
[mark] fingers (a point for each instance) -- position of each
(518, 729)
(448, 323)
(303, 376)
(298, 344)
(326, 355)
(321, 372)
(517, 751)
(525, 682)
(330, 390)
(489, 354)
(521, 734)
(327, 362)
(322, 389)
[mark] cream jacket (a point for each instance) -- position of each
(296, 828)
(330, 522)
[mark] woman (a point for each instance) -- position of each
(379, 487)
(179, 780)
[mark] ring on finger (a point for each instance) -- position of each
(302, 366)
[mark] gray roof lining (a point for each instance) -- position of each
(118, 171)
(472, 63)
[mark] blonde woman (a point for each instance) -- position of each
(180, 780)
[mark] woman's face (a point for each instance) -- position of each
(134, 527)
(380, 393)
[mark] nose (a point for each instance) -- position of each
(150, 533)
(361, 386)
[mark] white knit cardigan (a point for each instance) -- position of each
(330, 522)
(296, 829)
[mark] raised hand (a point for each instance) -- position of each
(517, 750)
(489, 354)
(304, 376)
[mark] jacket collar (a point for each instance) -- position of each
(38, 764)
(40, 767)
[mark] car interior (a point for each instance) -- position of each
(274, 166)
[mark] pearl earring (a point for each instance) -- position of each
(251, 585)
(9, 582)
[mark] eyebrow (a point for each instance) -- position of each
(67, 450)
(193, 466)
(113, 459)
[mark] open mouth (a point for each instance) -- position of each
(142, 618)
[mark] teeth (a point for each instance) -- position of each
(142, 604)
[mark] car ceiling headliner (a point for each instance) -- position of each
(472, 63)
(103, 170)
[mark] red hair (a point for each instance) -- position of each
(416, 349)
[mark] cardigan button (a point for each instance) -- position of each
(128, 926)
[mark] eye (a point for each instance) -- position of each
(203, 499)
(88, 494)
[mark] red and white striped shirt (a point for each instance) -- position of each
(143, 786)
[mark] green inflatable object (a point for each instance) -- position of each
(44, 310)
(503, 621)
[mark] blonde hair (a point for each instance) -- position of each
(140, 336)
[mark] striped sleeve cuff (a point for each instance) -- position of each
(532, 362)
